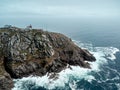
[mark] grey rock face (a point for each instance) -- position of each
(6, 82)
(36, 52)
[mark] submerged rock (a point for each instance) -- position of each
(37, 52)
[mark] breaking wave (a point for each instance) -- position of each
(100, 77)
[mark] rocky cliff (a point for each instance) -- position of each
(36, 52)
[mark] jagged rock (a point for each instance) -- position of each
(37, 52)
(6, 82)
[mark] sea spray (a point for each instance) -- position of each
(69, 78)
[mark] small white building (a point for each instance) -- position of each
(29, 27)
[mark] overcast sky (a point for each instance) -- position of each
(42, 13)
(59, 8)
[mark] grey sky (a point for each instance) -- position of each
(59, 8)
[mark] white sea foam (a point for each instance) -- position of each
(118, 86)
(65, 76)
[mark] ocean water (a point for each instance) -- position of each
(101, 38)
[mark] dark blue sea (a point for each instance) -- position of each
(101, 36)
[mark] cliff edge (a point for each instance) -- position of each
(36, 52)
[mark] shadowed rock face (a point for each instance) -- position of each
(37, 52)
(6, 82)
